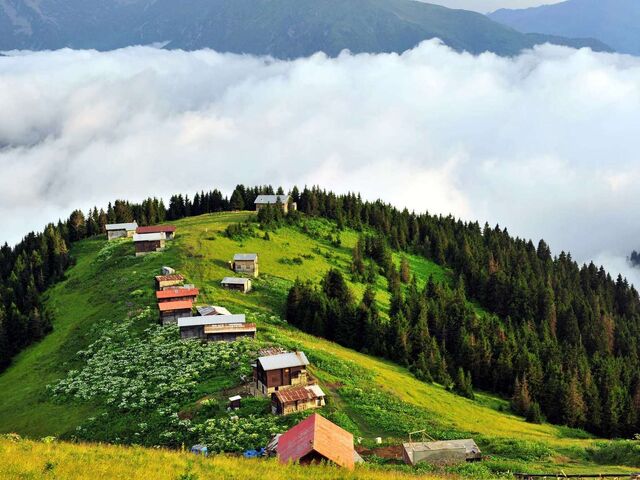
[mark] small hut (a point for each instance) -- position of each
(297, 399)
(120, 230)
(246, 263)
(234, 283)
(168, 281)
(228, 328)
(168, 230)
(170, 312)
(148, 242)
(173, 294)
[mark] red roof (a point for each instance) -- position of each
(177, 293)
(177, 305)
(156, 229)
(317, 434)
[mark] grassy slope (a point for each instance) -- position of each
(28, 459)
(201, 251)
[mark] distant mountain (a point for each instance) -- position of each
(282, 28)
(614, 22)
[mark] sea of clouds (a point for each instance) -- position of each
(546, 143)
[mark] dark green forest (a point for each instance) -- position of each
(561, 340)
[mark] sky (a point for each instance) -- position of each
(544, 143)
(485, 6)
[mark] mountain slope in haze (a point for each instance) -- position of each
(281, 28)
(614, 22)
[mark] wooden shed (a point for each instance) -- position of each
(148, 242)
(120, 230)
(168, 230)
(170, 312)
(315, 440)
(284, 201)
(172, 294)
(297, 399)
(168, 281)
(234, 283)
(279, 372)
(227, 328)
(246, 263)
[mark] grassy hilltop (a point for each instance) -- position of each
(127, 385)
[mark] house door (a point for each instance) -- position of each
(286, 380)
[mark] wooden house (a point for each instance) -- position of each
(441, 452)
(272, 373)
(297, 399)
(227, 328)
(120, 230)
(246, 263)
(170, 312)
(168, 230)
(234, 283)
(316, 440)
(168, 281)
(283, 201)
(148, 242)
(172, 294)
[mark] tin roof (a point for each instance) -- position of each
(301, 393)
(238, 257)
(283, 360)
(169, 278)
(271, 199)
(121, 226)
(206, 310)
(149, 237)
(234, 398)
(176, 293)
(235, 281)
(211, 320)
(177, 305)
(156, 229)
(318, 434)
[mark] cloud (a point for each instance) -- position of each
(544, 143)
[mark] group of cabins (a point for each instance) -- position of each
(145, 239)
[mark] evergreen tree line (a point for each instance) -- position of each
(568, 332)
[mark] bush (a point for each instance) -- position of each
(619, 452)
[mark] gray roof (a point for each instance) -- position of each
(261, 199)
(121, 226)
(207, 310)
(235, 281)
(149, 237)
(245, 256)
(283, 360)
(211, 320)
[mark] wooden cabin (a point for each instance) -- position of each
(120, 230)
(246, 263)
(441, 452)
(216, 328)
(234, 283)
(171, 312)
(284, 201)
(168, 230)
(316, 440)
(172, 294)
(279, 372)
(148, 242)
(297, 399)
(168, 281)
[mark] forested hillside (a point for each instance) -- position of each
(561, 338)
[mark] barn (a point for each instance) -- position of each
(297, 399)
(148, 242)
(120, 230)
(168, 230)
(272, 373)
(168, 281)
(246, 263)
(234, 283)
(228, 328)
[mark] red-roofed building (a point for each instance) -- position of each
(316, 439)
(171, 294)
(168, 230)
(170, 312)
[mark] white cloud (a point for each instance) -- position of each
(544, 143)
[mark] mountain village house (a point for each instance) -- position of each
(168, 230)
(316, 440)
(227, 328)
(148, 242)
(272, 373)
(284, 201)
(234, 283)
(172, 294)
(297, 399)
(120, 230)
(169, 281)
(246, 263)
(170, 312)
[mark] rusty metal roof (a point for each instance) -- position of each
(156, 229)
(169, 278)
(317, 434)
(177, 293)
(177, 305)
(294, 394)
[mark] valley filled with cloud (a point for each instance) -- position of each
(545, 143)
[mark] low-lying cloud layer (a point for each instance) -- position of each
(545, 143)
